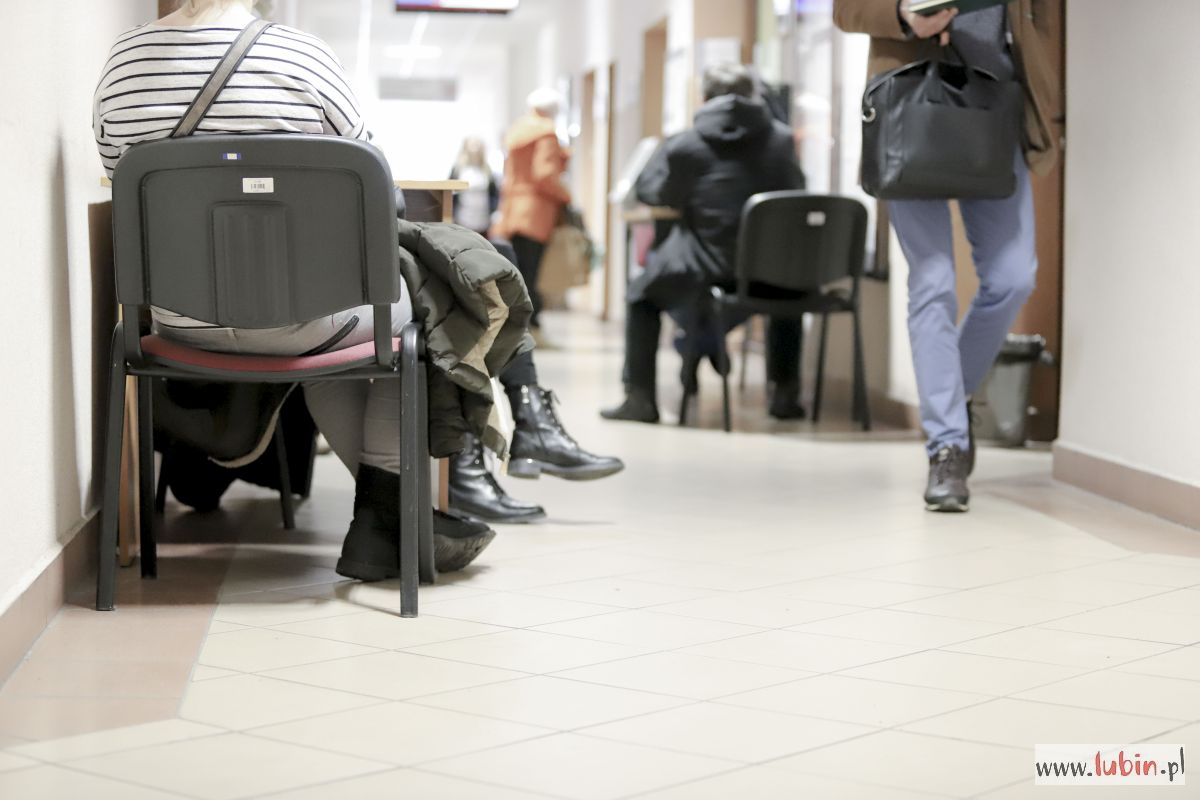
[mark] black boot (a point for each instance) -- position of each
(785, 402)
(639, 406)
(541, 444)
(371, 550)
(475, 491)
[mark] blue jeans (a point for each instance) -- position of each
(952, 360)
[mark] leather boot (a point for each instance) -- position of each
(371, 550)
(541, 444)
(474, 490)
(947, 487)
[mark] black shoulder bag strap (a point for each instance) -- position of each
(219, 77)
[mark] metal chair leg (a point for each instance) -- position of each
(427, 570)
(287, 502)
(861, 399)
(149, 547)
(409, 446)
(745, 354)
(683, 409)
(106, 575)
(820, 381)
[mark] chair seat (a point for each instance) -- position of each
(168, 353)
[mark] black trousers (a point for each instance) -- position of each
(643, 324)
(529, 263)
(521, 371)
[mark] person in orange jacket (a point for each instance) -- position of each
(533, 194)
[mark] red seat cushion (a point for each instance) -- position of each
(166, 350)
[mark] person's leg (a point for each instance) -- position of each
(529, 261)
(923, 228)
(521, 371)
(643, 324)
(784, 337)
(1004, 247)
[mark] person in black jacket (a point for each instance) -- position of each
(735, 150)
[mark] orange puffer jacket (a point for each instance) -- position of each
(533, 193)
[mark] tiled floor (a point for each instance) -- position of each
(764, 615)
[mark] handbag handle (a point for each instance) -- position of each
(219, 77)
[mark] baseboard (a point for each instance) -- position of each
(1163, 497)
(23, 622)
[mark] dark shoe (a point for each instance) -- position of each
(457, 540)
(474, 490)
(541, 444)
(639, 406)
(785, 403)
(371, 550)
(947, 487)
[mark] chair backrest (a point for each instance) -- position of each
(255, 231)
(797, 241)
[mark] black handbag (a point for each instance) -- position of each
(939, 130)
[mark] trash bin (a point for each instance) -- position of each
(1001, 406)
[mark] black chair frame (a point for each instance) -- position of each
(356, 164)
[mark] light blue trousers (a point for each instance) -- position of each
(952, 360)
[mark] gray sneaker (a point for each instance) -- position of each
(947, 488)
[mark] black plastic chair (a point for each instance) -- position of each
(801, 243)
(259, 232)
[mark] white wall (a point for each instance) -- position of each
(1131, 317)
(51, 62)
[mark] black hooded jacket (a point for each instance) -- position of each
(735, 150)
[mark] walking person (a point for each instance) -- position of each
(534, 194)
(951, 360)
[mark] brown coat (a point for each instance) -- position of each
(890, 48)
(533, 194)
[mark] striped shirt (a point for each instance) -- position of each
(289, 82)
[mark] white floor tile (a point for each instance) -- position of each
(581, 768)
(1061, 647)
(964, 672)
(402, 734)
(50, 783)
(1019, 723)
(989, 605)
(388, 631)
(393, 676)
(809, 652)
(772, 783)
(751, 735)
(11, 761)
(1073, 587)
(528, 651)
(512, 610)
(115, 740)
(552, 702)
(903, 628)
(405, 783)
(248, 701)
(621, 592)
(650, 628)
(857, 700)
(683, 675)
(924, 763)
(1131, 622)
(1181, 663)
(257, 650)
(1151, 695)
(225, 767)
(855, 591)
(757, 608)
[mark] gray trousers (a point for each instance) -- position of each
(359, 419)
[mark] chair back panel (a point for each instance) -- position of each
(801, 242)
(255, 231)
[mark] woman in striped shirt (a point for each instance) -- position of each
(289, 82)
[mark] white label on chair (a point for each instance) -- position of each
(816, 219)
(258, 185)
